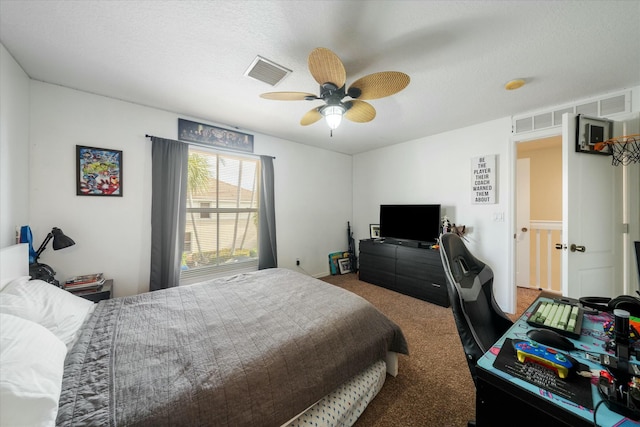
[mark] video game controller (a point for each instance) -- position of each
(546, 356)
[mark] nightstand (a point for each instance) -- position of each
(95, 296)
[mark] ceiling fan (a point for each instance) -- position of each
(327, 69)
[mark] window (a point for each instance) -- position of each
(221, 232)
(205, 214)
(187, 243)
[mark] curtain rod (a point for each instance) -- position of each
(146, 135)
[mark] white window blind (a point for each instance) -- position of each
(221, 232)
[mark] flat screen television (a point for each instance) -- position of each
(421, 223)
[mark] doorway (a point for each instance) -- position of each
(538, 213)
(595, 196)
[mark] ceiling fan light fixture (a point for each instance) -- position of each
(329, 72)
(333, 115)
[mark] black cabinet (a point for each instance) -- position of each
(97, 295)
(377, 263)
(412, 271)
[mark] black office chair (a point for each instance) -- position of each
(637, 246)
(479, 319)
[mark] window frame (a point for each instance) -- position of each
(200, 273)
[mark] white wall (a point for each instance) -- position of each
(317, 191)
(112, 234)
(437, 169)
(14, 148)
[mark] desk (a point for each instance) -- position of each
(499, 394)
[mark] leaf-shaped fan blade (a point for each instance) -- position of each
(311, 117)
(326, 67)
(379, 85)
(360, 112)
(287, 96)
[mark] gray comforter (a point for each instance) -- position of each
(249, 350)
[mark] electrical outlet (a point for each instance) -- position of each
(297, 261)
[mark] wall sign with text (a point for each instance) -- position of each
(483, 180)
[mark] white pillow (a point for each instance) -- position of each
(56, 309)
(5, 282)
(31, 367)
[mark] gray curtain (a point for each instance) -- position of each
(169, 165)
(267, 251)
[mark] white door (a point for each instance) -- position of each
(592, 231)
(523, 226)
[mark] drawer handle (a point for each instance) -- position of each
(436, 285)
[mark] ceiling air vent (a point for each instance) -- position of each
(542, 121)
(524, 125)
(589, 109)
(557, 115)
(595, 107)
(266, 71)
(613, 105)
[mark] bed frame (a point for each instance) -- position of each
(14, 262)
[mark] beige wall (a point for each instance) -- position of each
(545, 156)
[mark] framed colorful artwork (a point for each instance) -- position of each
(98, 171)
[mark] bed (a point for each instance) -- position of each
(270, 348)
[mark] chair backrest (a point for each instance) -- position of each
(637, 245)
(479, 319)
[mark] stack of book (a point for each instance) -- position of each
(87, 282)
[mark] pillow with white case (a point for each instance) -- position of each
(54, 308)
(4, 282)
(31, 368)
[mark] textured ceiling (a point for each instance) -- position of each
(189, 57)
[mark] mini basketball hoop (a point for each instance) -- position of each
(625, 149)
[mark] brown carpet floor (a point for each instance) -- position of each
(433, 386)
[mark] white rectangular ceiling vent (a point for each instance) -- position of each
(598, 107)
(267, 71)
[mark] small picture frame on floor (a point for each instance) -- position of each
(345, 265)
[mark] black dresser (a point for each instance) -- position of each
(413, 271)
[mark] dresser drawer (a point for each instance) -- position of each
(424, 290)
(421, 256)
(377, 248)
(376, 269)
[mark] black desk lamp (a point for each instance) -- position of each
(43, 271)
